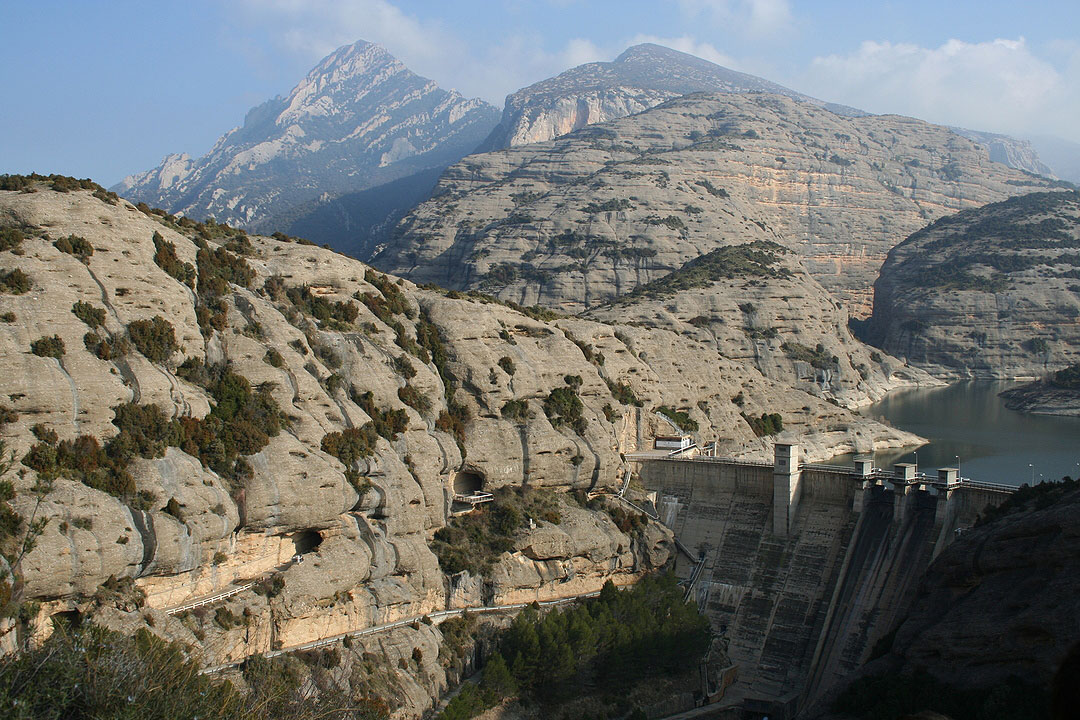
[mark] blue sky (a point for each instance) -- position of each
(103, 89)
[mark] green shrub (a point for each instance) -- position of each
(52, 346)
(332, 315)
(563, 407)
(75, 245)
(273, 358)
(154, 338)
(404, 368)
(681, 418)
(767, 424)
(8, 317)
(165, 257)
(107, 347)
(414, 398)
(818, 357)
(92, 316)
(517, 410)
(507, 365)
(1068, 378)
(10, 238)
(623, 393)
(14, 282)
(351, 444)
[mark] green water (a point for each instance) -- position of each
(969, 420)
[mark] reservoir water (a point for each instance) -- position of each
(969, 420)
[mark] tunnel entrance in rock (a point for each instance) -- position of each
(66, 619)
(468, 482)
(306, 541)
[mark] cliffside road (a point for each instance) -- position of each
(436, 617)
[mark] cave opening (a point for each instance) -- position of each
(467, 482)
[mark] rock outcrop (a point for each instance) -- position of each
(584, 219)
(428, 384)
(992, 293)
(640, 78)
(359, 119)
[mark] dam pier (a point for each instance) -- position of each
(803, 567)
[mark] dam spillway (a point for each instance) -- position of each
(806, 567)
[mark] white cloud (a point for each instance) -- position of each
(998, 85)
(758, 18)
(311, 29)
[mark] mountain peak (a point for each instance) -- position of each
(653, 53)
(358, 119)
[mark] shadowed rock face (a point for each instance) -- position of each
(993, 292)
(1000, 601)
(192, 532)
(586, 218)
(359, 119)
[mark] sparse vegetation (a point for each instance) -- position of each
(818, 357)
(758, 259)
(14, 282)
(91, 672)
(166, 258)
(767, 424)
(51, 346)
(154, 338)
(92, 316)
(75, 245)
(563, 407)
(681, 418)
(474, 542)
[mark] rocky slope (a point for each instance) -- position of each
(993, 292)
(586, 218)
(391, 397)
(359, 119)
(640, 78)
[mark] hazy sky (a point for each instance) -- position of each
(105, 88)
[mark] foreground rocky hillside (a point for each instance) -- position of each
(358, 120)
(191, 409)
(992, 292)
(586, 218)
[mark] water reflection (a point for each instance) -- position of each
(969, 420)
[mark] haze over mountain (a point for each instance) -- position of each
(359, 119)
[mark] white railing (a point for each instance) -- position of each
(211, 599)
(474, 498)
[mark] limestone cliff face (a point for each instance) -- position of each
(993, 292)
(359, 119)
(585, 218)
(188, 532)
(642, 77)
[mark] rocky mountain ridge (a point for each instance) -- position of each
(359, 119)
(203, 407)
(643, 76)
(992, 292)
(586, 218)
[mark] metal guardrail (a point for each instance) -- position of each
(211, 599)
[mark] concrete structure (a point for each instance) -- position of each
(804, 567)
(672, 442)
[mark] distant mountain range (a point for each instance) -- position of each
(360, 119)
(362, 140)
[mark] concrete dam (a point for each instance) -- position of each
(805, 567)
